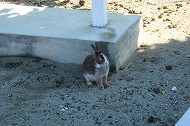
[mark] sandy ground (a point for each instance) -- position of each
(40, 92)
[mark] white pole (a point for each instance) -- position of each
(99, 13)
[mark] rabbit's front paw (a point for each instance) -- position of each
(101, 87)
(89, 83)
(106, 85)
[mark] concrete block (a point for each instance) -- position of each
(65, 35)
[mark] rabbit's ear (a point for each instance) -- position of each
(98, 46)
(94, 47)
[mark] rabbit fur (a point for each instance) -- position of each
(95, 68)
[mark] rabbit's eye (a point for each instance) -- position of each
(100, 59)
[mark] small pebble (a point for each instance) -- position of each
(156, 90)
(165, 7)
(163, 92)
(174, 88)
(177, 52)
(151, 119)
(188, 56)
(169, 67)
(82, 2)
(161, 15)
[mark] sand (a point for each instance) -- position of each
(39, 92)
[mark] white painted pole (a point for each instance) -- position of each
(99, 13)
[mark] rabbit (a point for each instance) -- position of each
(95, 68)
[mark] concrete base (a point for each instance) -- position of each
(65, 35)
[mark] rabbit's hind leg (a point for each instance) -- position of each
(89, 79)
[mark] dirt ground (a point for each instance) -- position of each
(38, 92)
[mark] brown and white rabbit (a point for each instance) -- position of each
(95, 68)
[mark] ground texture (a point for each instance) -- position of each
(39, 92)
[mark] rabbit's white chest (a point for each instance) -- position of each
(102, 70)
